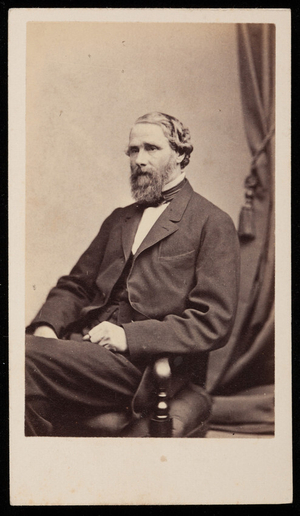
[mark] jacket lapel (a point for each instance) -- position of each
(129, 227)
(167, 223)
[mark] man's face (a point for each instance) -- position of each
(152, 161)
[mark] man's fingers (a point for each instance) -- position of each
(107, 335)
(45, 331)
(96, 336)
(110, 347)
(92, 337)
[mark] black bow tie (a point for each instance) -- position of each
(166, 196)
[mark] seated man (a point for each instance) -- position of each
(159, 279)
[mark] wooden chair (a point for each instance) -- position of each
(185, 415)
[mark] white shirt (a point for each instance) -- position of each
(151, 215)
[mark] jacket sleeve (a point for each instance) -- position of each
(208, 318)
(76, 290)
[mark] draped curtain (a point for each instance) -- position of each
(241, 375)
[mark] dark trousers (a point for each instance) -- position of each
(68, 380)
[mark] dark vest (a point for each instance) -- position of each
(118, 310)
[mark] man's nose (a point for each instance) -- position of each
(141, 158)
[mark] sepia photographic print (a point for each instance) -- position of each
(149, 304)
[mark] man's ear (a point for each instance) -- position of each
(179, 158)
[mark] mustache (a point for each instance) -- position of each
(137, 171)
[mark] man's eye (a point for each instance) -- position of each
(133, 150)
(151, 148)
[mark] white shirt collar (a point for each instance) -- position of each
(175, 182)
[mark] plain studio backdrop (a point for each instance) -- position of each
(86, 85)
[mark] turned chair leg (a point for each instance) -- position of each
(161, 423)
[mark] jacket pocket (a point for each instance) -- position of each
(186, 259)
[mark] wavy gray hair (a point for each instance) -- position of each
(178, 136)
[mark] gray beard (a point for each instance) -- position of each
(146, 187)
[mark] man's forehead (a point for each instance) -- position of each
(147, 132)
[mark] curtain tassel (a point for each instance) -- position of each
(246, 229)
(246, 223)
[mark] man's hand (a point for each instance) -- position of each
(109, 336)
(45, 331)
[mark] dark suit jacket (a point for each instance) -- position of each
(183, 281)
